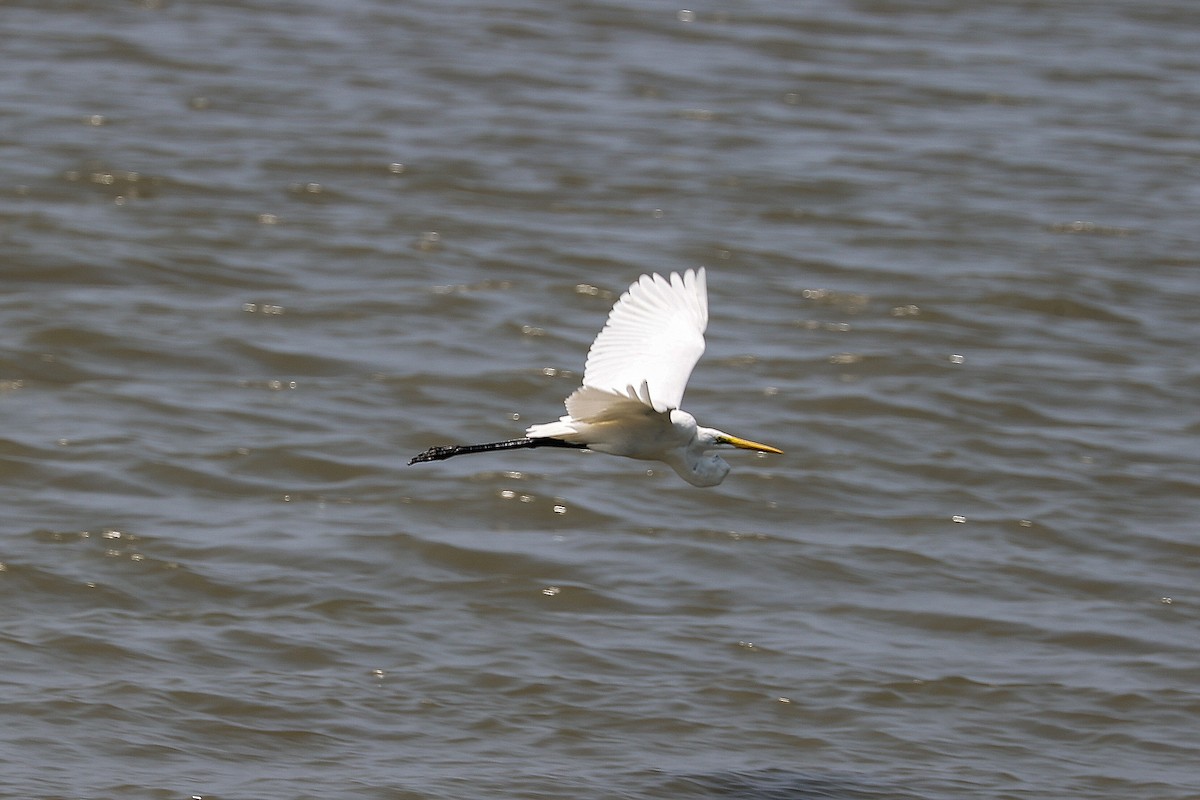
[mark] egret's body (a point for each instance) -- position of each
(633, 383)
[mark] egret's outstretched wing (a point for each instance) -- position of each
(653, 338)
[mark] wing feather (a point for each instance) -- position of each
(592, 406)
(647, 350)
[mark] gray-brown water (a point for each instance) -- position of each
(256, 255)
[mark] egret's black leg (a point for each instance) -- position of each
(446, 451)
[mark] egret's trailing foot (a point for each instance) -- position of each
(442, 452)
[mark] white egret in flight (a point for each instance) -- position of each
(633, 383)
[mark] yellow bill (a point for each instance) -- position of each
(746, 444)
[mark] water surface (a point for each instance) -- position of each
(256, 256)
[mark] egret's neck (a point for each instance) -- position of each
(684, 426)
(693, 462)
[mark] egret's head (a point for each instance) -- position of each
(702, 468)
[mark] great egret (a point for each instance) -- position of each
(633, 383)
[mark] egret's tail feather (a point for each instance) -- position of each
(561, 428)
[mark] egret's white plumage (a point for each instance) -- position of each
(633, 384)
(634, 378)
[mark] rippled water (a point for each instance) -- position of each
(257, 255)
